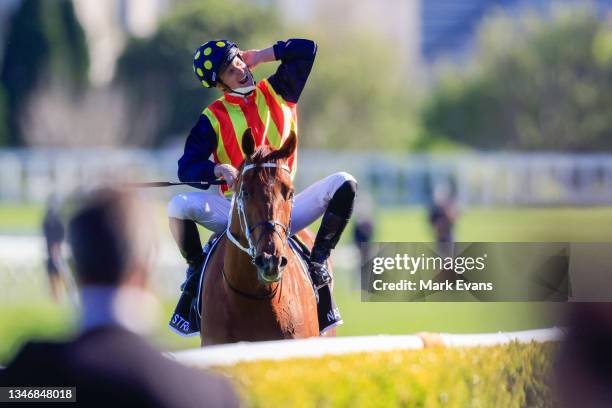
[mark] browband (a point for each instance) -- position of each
(252, 166)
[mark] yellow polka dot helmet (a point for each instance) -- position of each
(211, 58)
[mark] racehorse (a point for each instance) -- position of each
(255, 286)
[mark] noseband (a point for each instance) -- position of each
(238, 199)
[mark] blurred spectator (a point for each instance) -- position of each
(53, 231)
(442, 214)
(363, 230)
(108, 363)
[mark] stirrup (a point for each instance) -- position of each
(320, 275)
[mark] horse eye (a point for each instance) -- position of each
(245, 194)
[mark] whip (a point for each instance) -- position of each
(197, 184)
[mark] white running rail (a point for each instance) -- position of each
(230, 354)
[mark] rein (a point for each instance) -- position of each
(250, 250)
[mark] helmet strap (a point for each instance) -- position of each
(245, 91)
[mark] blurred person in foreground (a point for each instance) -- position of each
(269, 109)
(583, 370)
(108, 363)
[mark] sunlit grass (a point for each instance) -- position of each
(411, 225)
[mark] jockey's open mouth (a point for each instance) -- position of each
(246, 78)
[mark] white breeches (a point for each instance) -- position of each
(211, 210)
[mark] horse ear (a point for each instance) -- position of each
(248, 142)
(289, 146)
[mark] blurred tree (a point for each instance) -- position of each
(535, 84)
(45, 43)
(164, 96)
(359, 96)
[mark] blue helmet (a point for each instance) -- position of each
(211, 58)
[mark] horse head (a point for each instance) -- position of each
(265, 199)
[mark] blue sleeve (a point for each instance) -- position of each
(297, 57)
(195, 165)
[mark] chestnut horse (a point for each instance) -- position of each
(255, 286)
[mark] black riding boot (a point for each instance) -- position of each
(334, 221)
(187, 237)
(185, 233)
(329, 233)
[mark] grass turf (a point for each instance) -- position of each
(410, 224)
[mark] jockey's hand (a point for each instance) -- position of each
(228, 173)
(250, 58)
(255, 57)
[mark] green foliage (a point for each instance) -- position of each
(535, 84)
(158, 71)
(45, 43)
(514, 375)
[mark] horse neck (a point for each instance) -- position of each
(238, 268)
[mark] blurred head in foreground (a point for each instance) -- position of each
(110, 239)
(111, 242)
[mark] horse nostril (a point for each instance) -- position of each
(283, 262)
(259, 261)
(266, 261)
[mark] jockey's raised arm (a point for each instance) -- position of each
(297, 57)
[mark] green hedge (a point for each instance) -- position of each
(513, 375)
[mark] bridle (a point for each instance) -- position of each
(250, 250)
(238, 200)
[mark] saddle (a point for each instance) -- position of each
(327, 310)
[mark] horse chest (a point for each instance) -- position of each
(280, 319)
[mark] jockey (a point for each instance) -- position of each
(269, 108)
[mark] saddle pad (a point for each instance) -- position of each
(209, 249)
(303, 254)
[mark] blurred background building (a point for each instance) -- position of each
(450, 28)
